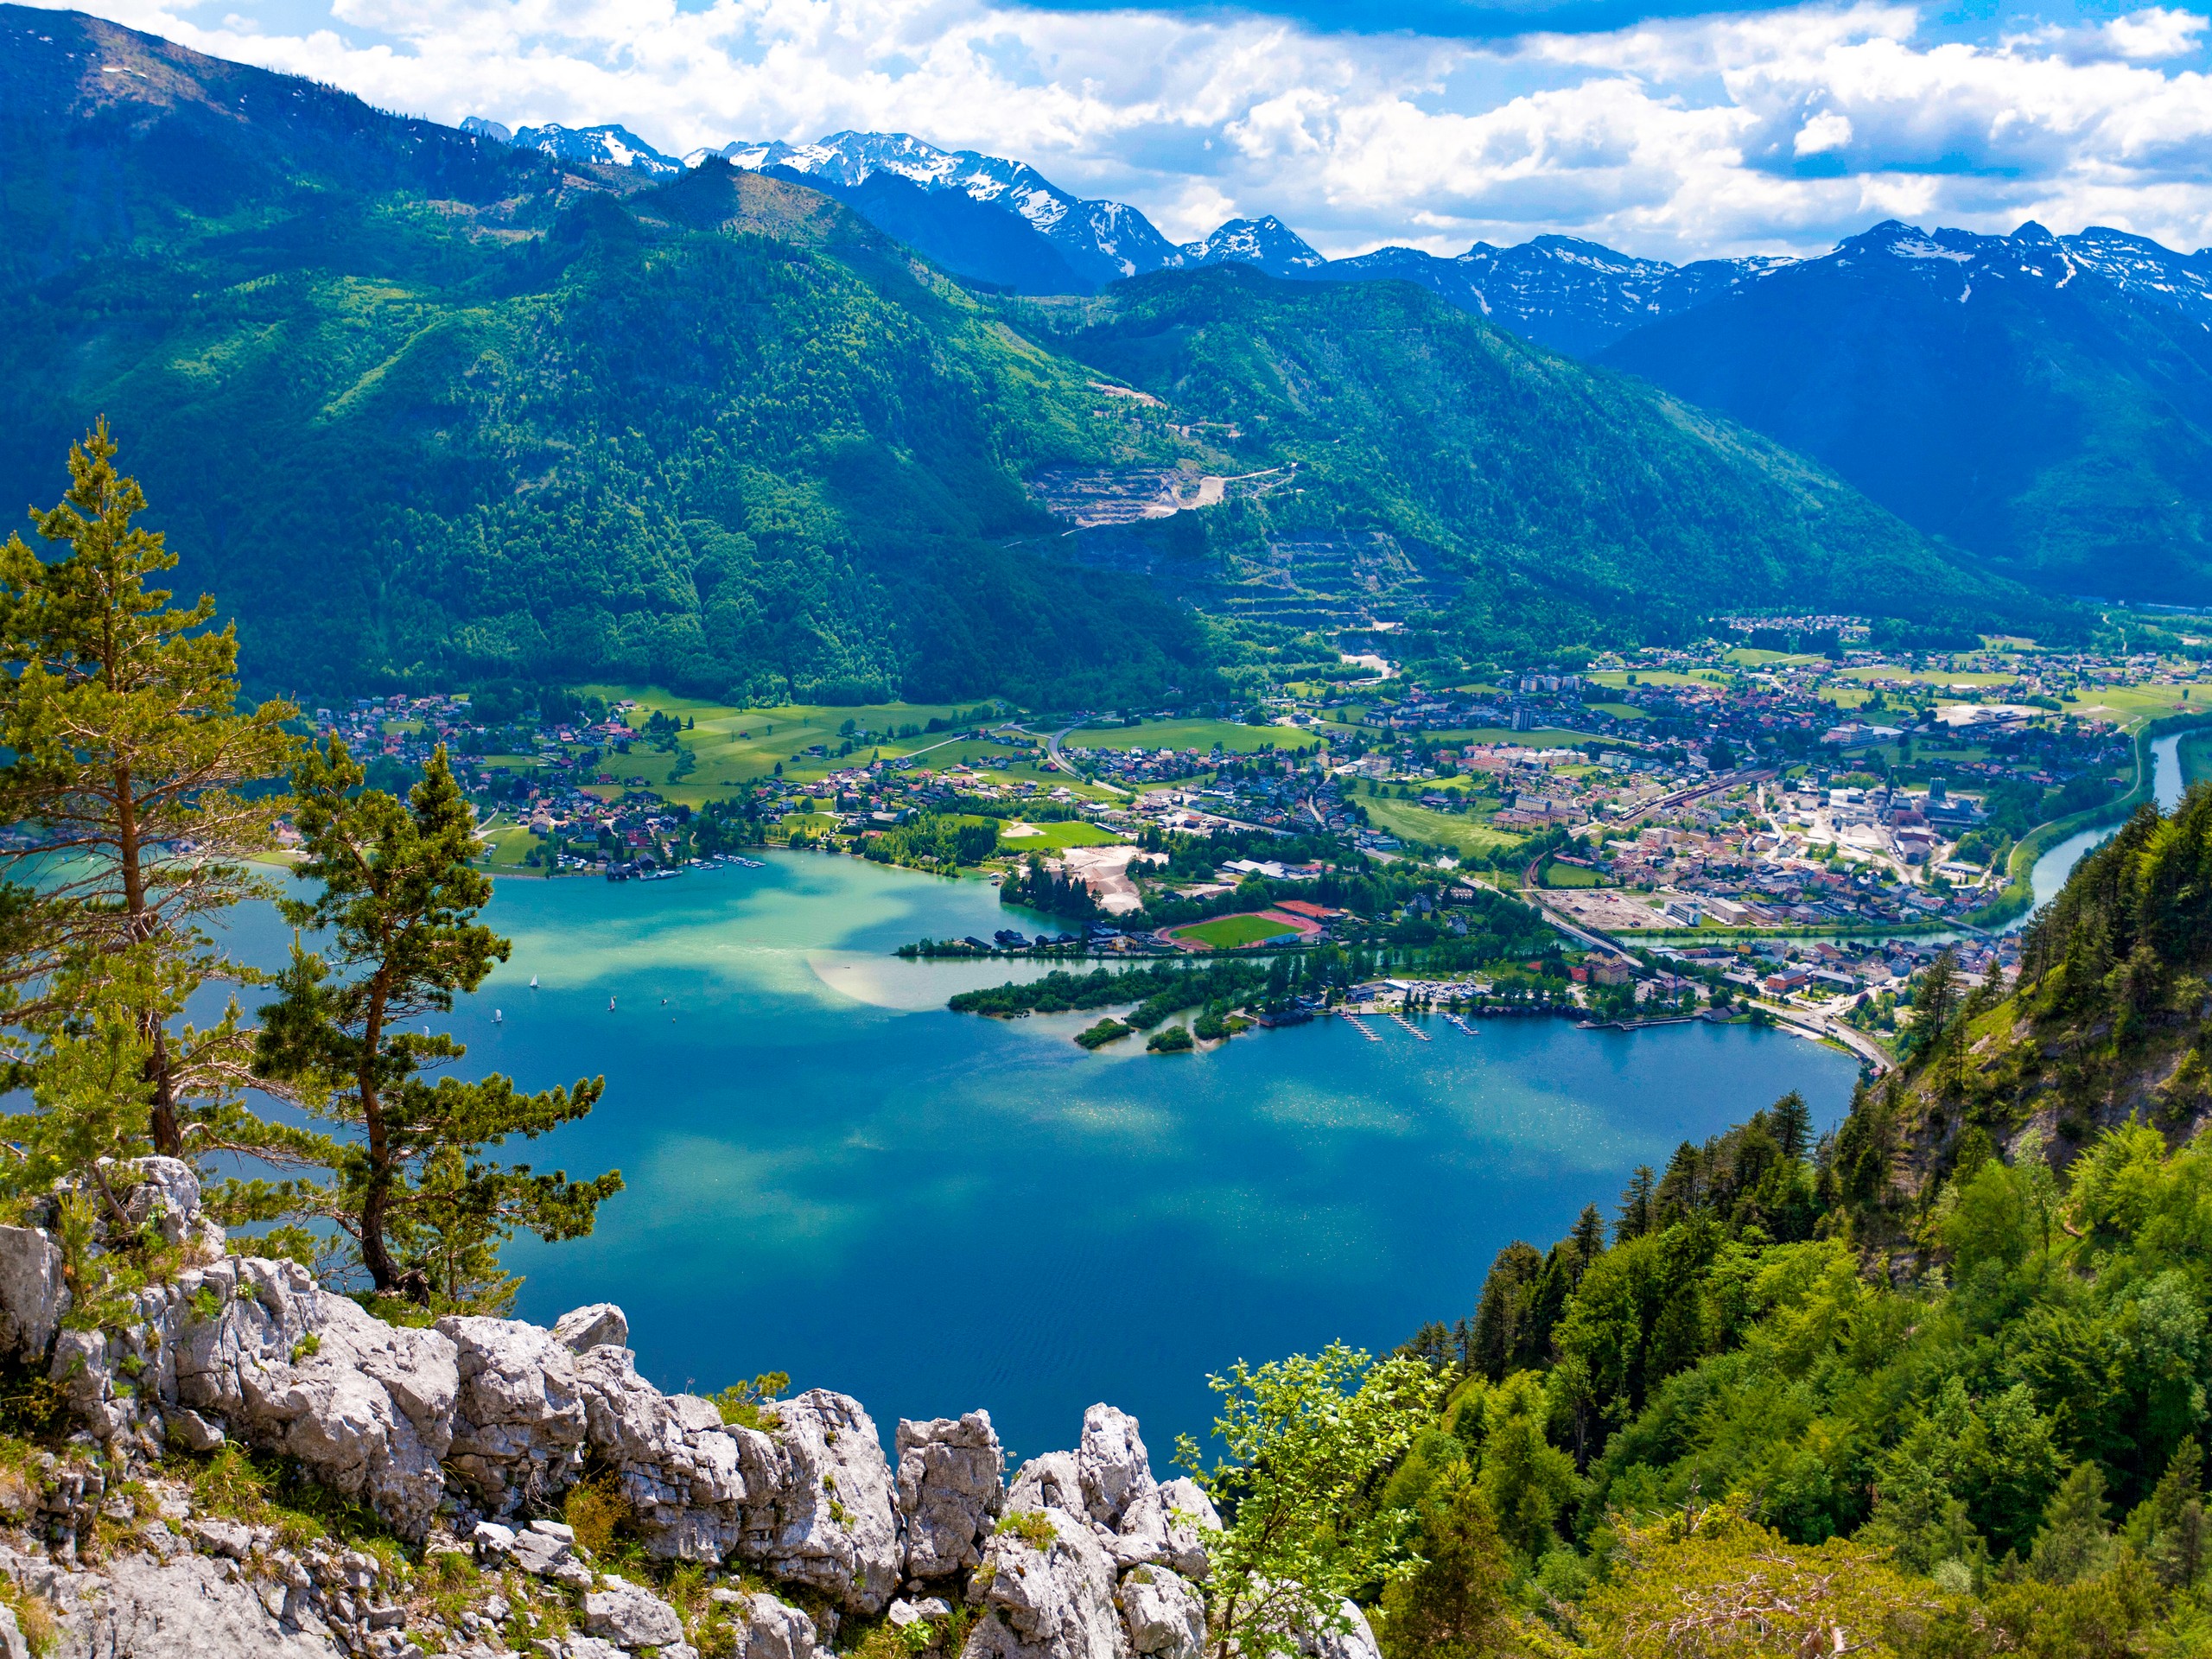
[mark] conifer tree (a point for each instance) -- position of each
(1790, 1121)
(1635, 1205)
(1452, 1605)
(424, 1208)
(128, 755)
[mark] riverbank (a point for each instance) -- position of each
(2019, 898)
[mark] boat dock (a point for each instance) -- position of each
(1409, 1025)
(1354, 1022)
(1462, 1023)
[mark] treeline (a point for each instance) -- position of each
(934, 841)
(2011, 1443)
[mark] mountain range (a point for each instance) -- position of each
(2041, 403)
(420, 405)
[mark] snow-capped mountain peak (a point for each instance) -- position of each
(1266, 242)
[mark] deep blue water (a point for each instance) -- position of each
(831, 1175)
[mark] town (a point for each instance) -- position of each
(1781, 814)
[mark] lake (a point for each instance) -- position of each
(831, 1175)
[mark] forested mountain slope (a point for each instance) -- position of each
(2041, 404)
(1560, 503)
(1934, 1385)
(436, 406)
(421, 404)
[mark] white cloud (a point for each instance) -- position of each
(1707, 135)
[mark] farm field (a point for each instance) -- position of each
(1055, 838)
(1407, 821)
(732, 746)
(1925, 675)
(1622, 677)
(1571, 875)
(1199, 735)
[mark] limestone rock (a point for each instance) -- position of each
(518, 1418)
(1112, 1464)
(767, 1628)
(1050, 1481)
(1165, 1614)
(818, 1507)
(184, 1609)
(1166, 1526)
(33, 1297)
(12, 1645)
(603, 1324)
(921, 1616)
(676, 1460)
(164, 1192)
(949, 1491)
(366, 1406)
(548, 1550)
(1051, 1602)
(1355, 1641)
(631, 1617)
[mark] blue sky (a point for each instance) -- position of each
(1653, 125)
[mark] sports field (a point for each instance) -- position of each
(1234, 933)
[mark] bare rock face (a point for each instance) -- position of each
(1108, 1480)
(949, 1491)
(518, 1418)
(603, 1324)
(767, 1628)
(818, 1507)
(1355, 1640)
(631, 1616)
(1112, 1464)
(675, 1458)
(164, 1192)
(183, 1609)
(366, 1406)
(1050, 1481)
(1045, 1599)
(1164, 1612)
(32, 1296)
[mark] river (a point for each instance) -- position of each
(831, 1175)
(2054, 867)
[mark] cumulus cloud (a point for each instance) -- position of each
(1779, 129)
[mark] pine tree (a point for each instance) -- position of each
(1635, 1205)
(2169, 1527)
(1790, 1121)
(1453, 1605)
(2076, 1542)
(128, 754)
(400, 900)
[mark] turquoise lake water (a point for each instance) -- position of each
(831, 1175)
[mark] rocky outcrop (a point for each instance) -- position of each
(1046, 1586)
(185, 1609)
(1164, 1613)
(33, 1294)
(950, 1471)
(630, 1616)
(673, 1457)
(519, 1417)
(603, 1324)
(818, 1507)
(467, 1437)
(767, 1628)
(367, 1407)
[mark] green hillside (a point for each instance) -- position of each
(464, 415)
(1547, 503)
(424, 409)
